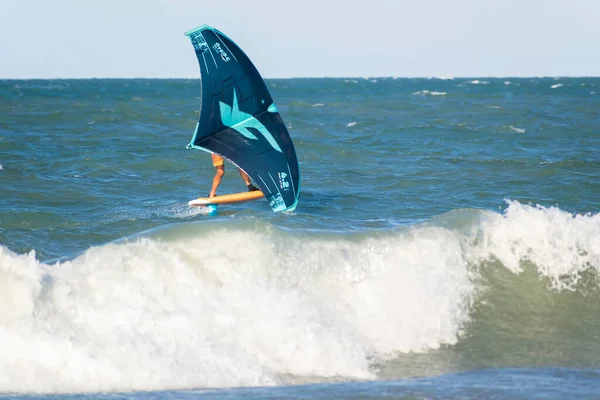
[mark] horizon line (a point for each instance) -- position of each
(322, 77)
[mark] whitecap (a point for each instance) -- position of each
(559, 243)
(520, 130)
(352, 124)
(477, 82)
(318, 105)
(556, 86)
(430, 93)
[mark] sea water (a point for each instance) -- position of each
(446, 244)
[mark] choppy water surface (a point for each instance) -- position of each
(446, 244)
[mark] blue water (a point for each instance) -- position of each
(446, 244)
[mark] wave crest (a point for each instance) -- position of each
(246, 303)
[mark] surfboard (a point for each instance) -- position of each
(240, 121)
(227, 198)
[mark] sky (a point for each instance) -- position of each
(303, 38)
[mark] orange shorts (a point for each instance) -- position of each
(217, 160)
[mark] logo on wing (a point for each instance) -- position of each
(232, 117)
(222, 53)
(283, 183)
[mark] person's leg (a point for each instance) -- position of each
(217, 180)
(220, 171)
(246, 178)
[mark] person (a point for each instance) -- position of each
(219, 164)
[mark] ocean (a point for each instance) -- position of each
(446, 244)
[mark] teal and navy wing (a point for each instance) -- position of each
(239, 120)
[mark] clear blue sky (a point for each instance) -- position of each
(284, 38)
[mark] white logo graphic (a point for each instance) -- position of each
(221, 52)
(283, 184)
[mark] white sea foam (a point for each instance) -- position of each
(318, 105)
(560, 244)
(477, 82)
(556, 85)
(494, 107)
(351, 124)
(183, 210)
(507, 82)
(519, 130)
(429, 93)
(190, 312)
(1, 167)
